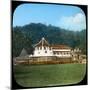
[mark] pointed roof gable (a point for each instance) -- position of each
(23, 52)
(42, 42)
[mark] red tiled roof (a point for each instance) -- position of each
(60, 47)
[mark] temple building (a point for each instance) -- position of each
(47, 53)
(43, 48)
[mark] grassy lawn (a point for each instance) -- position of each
(49, 75)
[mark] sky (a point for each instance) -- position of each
(63, 16)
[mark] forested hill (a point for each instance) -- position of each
(26, 36)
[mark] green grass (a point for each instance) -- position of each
(48, 75)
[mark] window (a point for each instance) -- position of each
(37, 48)
(40, 48)
(44, 48)
(63, 53)
(57, 53)
(49, 48)
(54, 52)
(45, 51)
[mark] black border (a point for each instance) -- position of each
(14, 5)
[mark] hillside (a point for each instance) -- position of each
(28, 35)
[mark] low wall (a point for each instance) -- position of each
(44, 60)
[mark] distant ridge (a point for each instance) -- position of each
(30, 34)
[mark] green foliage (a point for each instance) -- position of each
(26, 36)
(20, 41)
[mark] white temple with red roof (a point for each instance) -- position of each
(43, 48)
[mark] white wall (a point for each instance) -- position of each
(42, 52)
